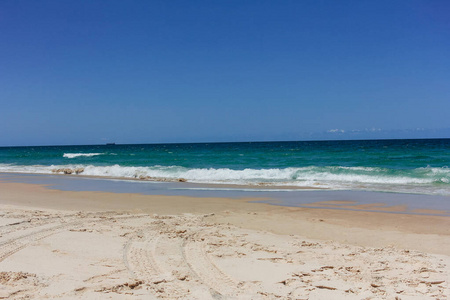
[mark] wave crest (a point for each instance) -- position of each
(73, 155)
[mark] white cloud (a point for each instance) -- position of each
(336, 131)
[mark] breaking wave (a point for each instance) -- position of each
(333, 177)
(73, 155)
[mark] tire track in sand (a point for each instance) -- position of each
(13, 245)
(146, 258)
(202, 265)
(175, 265)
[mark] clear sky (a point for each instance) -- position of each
(91, 72)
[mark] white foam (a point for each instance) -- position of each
(73, 155)
(334, 177)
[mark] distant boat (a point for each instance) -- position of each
(110, 144)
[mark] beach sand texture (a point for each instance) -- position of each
(48, 253)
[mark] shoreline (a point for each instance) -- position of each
(332, 223)
(369, 201)
(176, 180)
(323, 185)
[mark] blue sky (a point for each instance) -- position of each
(90, 72)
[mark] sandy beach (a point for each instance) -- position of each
(92, 245)
(200, 150)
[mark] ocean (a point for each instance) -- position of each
(399, 166)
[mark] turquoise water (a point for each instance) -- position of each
(412, 166)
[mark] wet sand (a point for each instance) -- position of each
(78, 245)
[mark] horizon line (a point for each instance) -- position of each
(229, 142)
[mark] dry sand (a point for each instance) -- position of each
(86, 245)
